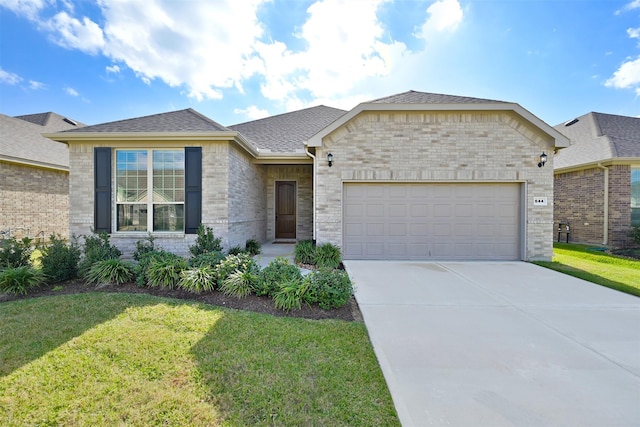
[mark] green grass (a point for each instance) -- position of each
(121, 359)
(608, 270)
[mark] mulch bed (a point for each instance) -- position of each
(349, 312)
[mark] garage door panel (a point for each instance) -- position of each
(431, 221)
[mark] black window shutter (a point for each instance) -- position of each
(102, 187)
(192, 189)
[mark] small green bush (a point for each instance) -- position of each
(14, 252)
(236, 250)
(232, 263)
(97, 248)
(252, 247)
(210, 259)
(239, 284)
(291, 294)
(144, 247)
(165, 273)
(145, 261)
(327, 256)
(205, 242)
(60, 259)
(635, 235)
(329, 288)
(108, 271)
(278, 271)
(305, 252)
(198, 279)
(19, 280)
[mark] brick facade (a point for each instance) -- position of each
(438, 147)
(35, 201)
(580, 201)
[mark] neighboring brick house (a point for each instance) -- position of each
(597, 178)
(34, 171)
(410, 176)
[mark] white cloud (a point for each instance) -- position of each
(635, 4)
(34, 85)
(71, 91)
(9, 78)
(444, 15)
(73, 33)
(115, 69)
(627, 76)
(633, 33)
(27, 8)
(252, 112)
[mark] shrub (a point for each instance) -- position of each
(205, 242)
(305, 252)
(144, 247)
(110, 271)
(239, 284)
(15, 253)
(327, 256)
(145, 261)
(252, 247)
(278, 271)
(232, 263)
(329, 288)
(290, 295)
(198, 279)
(19, 280)
(165, 273)
(97, 248)
(236, 250)
(635, 235)
(210, 259)
(60, 259)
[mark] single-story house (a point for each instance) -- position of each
(410, 176)
(597, 178)
(34, 172)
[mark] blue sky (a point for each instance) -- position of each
(234, 61)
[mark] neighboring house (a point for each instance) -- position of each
(597, 178)
(34, 172)
(410, 176)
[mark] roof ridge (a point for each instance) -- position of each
(612, 147)
(205, 118)
(286, 113)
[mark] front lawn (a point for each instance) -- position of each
(595, 266)
(123, 359)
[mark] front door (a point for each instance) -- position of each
(285, 210)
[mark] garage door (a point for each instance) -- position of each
(431, 221)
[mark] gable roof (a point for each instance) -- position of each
(187, 121)
(288, 132)
(599, 137)
(22, 141)
(424, 101)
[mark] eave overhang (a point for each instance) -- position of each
(33, 163)
(630, 161)
(560, 141)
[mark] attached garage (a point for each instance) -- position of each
(424, 221)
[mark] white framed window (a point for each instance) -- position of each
(150, 190)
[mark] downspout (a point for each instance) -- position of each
(605, 234)
(313, 229)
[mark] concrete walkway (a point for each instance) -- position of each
(501, 344)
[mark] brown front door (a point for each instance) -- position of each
(285, 210)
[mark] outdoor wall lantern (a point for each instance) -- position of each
(543, 160)
(330, 159)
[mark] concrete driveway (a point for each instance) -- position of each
(501, 344)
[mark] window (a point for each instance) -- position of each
(150, 190)
(635, 196)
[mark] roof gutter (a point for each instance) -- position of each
(605, 231)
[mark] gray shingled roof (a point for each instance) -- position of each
(599, 137)
(21, 139)
(286, 133)
(189, 121)
(414, 97)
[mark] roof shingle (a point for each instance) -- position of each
(414, 97)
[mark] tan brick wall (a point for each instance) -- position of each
(437, 147)
(580, 200)
(35, 201)
(303, 176)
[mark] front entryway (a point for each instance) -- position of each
(285, 210)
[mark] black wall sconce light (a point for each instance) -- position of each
(330, 159)
(543, 160)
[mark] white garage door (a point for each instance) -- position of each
(431, 221)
